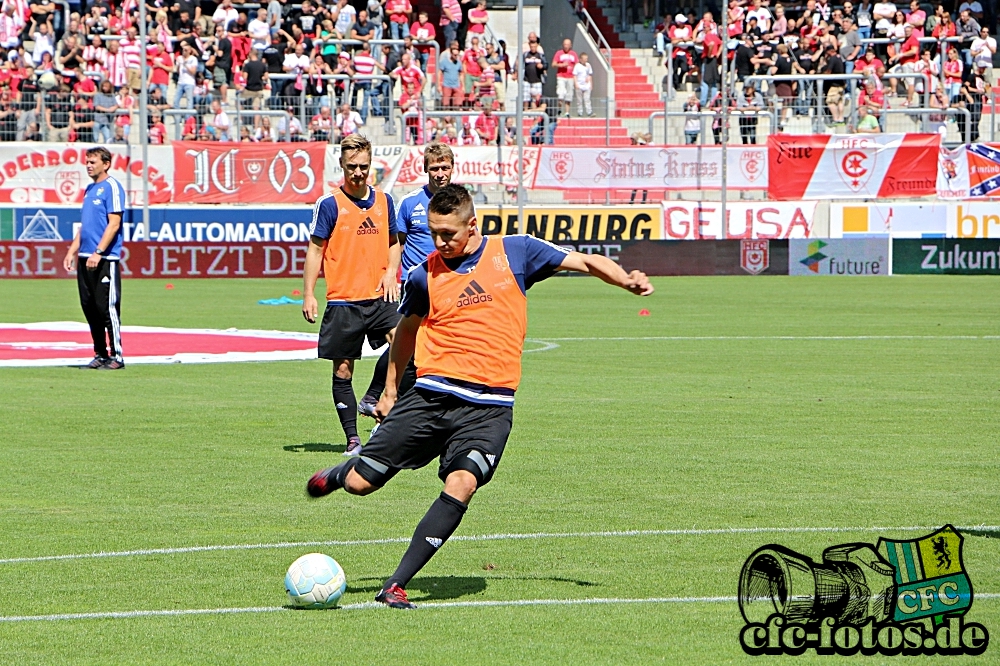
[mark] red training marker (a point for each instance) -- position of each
(643, 313)
(169, 286)
(296, 292)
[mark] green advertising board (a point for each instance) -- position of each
(953, 256)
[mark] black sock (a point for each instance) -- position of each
(378, 379)
(440, 521)
(338, 476)
(346, 404)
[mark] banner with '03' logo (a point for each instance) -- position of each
(248, 173)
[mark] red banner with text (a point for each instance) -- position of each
(248, 173)
(42, 259)
(852, 166)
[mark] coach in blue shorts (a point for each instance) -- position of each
(98, 244)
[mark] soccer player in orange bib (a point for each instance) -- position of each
(353, 237)
(464, 317)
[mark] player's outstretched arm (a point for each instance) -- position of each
(404, 342)
(607, 270)
(310, 274)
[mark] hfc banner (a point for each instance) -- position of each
(930, 577)
(474, 165)
(248, 173)
(854, 166)
(666, 168)
(56, 173)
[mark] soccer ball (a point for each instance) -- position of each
(315, 581)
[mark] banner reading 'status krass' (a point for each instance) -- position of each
(248, 173)
(852, 166)
(648, 167)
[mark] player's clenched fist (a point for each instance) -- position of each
(639, 284)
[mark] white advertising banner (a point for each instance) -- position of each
(56, 173)
(652, 167)
(474, 165)
(745, 219)
(839, 256)
(386, 163)
(899, 220)
(974, 219)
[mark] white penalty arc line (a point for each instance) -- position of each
(438, 605)
(481, 537)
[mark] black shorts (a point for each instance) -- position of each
(425, 425)
(344, 328)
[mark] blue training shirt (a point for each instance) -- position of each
(531, 260)
(325, 213)
(100, 199)
(411, 219)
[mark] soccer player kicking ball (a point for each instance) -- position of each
(465, 318)
(353, 236)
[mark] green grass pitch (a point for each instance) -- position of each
(771, 413)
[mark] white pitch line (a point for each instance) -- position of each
(776, 337)
(127, 615)
(480, 537)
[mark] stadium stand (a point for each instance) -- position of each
(917, 68)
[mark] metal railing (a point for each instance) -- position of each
(926, 113)
(851, 81)
(603, 48)
(704, 116)
(349, 92)
(460, 114)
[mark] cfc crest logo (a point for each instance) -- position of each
(899, 597)
(473, 294)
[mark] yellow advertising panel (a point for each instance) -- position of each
(575, 224)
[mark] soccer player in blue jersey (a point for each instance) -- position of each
(98, 244)
(411, 226)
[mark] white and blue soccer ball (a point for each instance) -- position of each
(315, 581)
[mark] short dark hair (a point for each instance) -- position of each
(452, 199)
(101, 152)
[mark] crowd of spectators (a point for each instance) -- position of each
(907, 57)
(283, 69)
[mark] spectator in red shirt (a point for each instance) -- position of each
(157, 131)
(487, 125)
(423, 34)
(477, 22)
(409, 104)
(944, 29)
(161, 65)
(409, 74)
(870, 66)
(953, 70)
(904, 62)
(399, 18)
(486, 90)
(451, 19)
(471, 67)
(873, 100)
(564, 61)
(682, 38)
